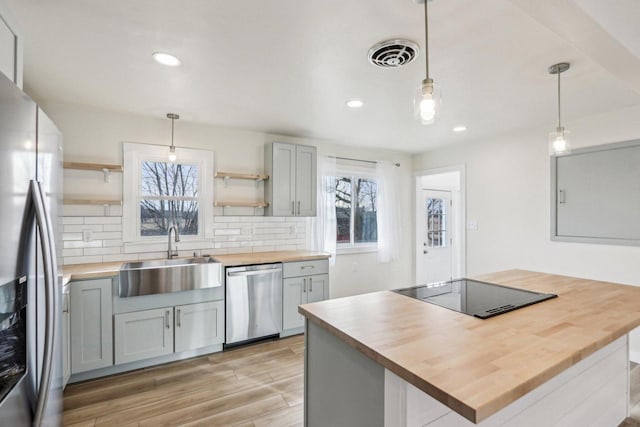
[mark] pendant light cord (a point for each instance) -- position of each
(172, 121)
(559, 111)
(426, 36)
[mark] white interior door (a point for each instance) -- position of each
(434, 240)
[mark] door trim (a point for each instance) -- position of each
(459, 267)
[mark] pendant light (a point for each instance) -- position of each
(172, 149)
(559, 139)
(427, 100)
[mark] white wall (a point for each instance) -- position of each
(508, 184)
(95, 135)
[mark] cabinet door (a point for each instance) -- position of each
(283, 179)
(293, 294)
(199, 325)
(305, 180)
(317, 288)
(91, 327)
(143, 334)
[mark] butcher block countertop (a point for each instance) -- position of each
(477, 367)
(110, 269)
(232, 260)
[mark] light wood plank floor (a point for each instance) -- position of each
(255, 386)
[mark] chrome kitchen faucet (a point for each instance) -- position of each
(172, 253)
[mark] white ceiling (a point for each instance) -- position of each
(288, 66)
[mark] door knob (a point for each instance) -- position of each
(425, 252)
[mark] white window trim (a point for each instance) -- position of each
(133, 156)
(364, 172)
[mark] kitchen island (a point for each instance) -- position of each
(383, 359)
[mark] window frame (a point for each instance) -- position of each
(134, 154)
(356, 172)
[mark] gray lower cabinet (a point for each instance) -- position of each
(301, 290)
(143, 334)
(199, 325)
(147, 334)
(91, 314)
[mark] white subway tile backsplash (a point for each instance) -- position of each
(72, 252)
(80, 228)
(264, 248)
(71, 236)
(72, 244)
(230, 234)
(113, 235)
(72, 220)
(103, 220)
(111, 243)
(286, 247)
(82, 259)
(227, 231)
(120, 257)
(101, 251)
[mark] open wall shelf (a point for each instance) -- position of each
(105, 168)
(92, 202)
(234, 175)
(221, 204)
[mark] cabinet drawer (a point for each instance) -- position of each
(305, 268)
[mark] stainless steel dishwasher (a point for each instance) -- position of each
(254, 302)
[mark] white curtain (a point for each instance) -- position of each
(388, 214)
(324, 224)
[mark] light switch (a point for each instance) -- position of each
(472, 224)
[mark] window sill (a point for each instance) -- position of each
(357, 250)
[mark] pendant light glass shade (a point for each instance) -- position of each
(559, 139)
(559, 144)
(172, 154)
(426, 102)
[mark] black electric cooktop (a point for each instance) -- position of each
(475, 298)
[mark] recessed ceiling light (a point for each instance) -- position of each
(355, 103)
(460, 128)
(166, 59)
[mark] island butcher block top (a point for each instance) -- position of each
(477, 367)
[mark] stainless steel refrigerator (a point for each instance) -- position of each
(30, 288)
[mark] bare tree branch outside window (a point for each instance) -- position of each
(361, 215)
(169, 195)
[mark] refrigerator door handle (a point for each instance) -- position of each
(47, 241)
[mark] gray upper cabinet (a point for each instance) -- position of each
(595, 195)
(291, 189)
(10, 48)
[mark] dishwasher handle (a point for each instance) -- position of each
(252, 272)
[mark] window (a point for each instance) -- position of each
(168, 196)
(159, 193)
(356, 212)
(436, 223)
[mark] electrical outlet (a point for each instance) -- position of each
(472, 225)
(87, 235)
(354, 267)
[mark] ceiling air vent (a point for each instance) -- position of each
(393, 53)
